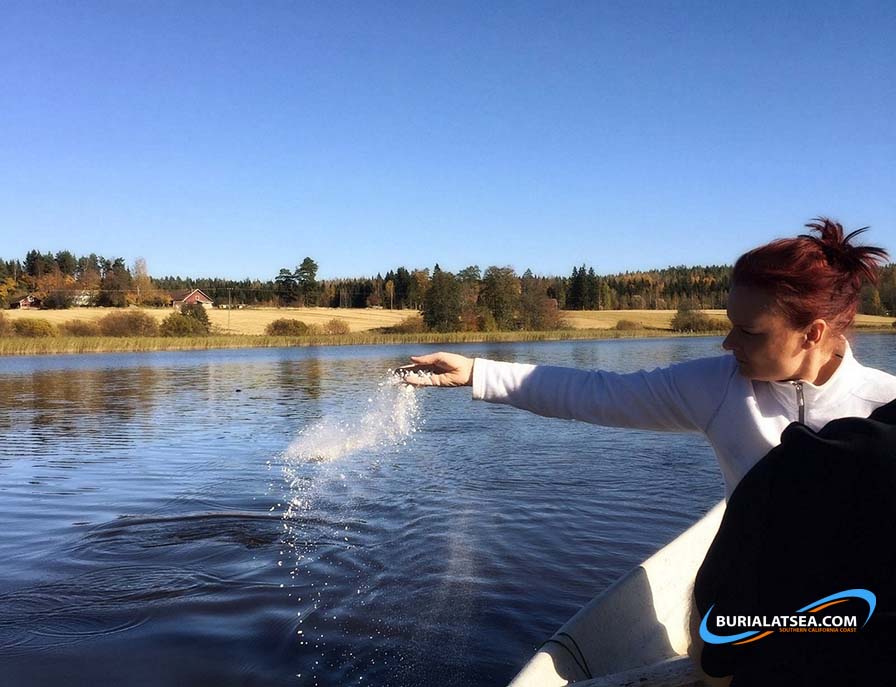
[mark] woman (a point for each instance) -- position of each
(790, 304)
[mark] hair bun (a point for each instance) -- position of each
(857, 262)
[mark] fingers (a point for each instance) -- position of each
(428, 370)
(408, 370)
(423, 378)
(417, 375)
(405, 369)
(427, 359)
(428, 365)
(418, 380)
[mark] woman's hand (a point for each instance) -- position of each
(438, 369)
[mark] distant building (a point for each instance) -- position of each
(30, 303)
(182, 298)
(82, 298)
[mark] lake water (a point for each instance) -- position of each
(284, 517)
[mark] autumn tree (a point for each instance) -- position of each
(441, 303)
(51, 285)
(501, 295)
(417, 288)
(538, 311)
(146, 291)
(8, 291)
(88, 272)
(469, 279)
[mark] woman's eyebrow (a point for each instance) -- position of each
(738, 324)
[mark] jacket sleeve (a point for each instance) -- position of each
(679, 398)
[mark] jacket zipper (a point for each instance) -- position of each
(800, 402)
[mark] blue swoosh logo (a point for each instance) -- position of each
(711, 638)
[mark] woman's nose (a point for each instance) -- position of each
(726, 344)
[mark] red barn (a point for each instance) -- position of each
(182, 298)
(29, 302)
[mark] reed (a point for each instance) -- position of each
(13, 345)
(52, 345)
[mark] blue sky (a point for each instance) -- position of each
(232, 139)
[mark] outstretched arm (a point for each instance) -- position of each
(682, 397)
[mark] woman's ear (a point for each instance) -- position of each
(815, 333)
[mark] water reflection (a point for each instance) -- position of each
(61, 397)
(75, 410)
(142, 515)
(300, 376)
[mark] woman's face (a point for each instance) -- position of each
(766, 346)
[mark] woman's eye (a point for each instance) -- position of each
(747, 332)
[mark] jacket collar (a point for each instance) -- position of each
(840, 383)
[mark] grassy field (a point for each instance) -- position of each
(662, 319)
(244, 329)
(249, 321)
(607, 319)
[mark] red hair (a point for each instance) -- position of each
(813, 277)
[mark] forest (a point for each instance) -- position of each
(497, 298)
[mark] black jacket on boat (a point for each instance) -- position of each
(816, 516)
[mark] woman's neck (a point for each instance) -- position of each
(826, 371)
(826, 363)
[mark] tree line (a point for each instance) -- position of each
(471, 299)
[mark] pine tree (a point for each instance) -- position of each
(442, 302)
(287, 288)
(306, 279)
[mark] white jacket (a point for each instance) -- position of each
(743, 419)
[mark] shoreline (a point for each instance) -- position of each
(75, 345)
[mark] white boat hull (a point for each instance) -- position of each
(635, 632)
